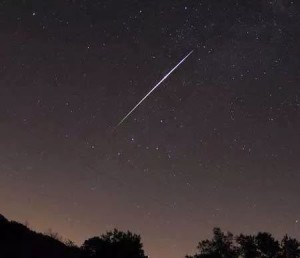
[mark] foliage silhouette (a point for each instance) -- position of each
(263, 245)
(267, 245)
(247, 246)
(115, 244)
(221, 246)
(290, 248)
(18, 241)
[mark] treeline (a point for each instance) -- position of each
(18, 241)
(261, 245)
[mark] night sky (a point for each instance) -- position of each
(217, 144)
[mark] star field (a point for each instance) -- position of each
(217, 144)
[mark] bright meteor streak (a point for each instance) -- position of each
(164, 78)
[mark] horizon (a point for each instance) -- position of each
(70, 243)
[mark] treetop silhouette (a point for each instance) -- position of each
(18, 241)
(262, 245)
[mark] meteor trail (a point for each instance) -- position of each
(164, 78)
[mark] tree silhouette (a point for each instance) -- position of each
(267, 246)
(290, 247)
(221, 246)
(18, 241)
(247, 246)
(114, 244)
(262, 245)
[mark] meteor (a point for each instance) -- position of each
(161, 81)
